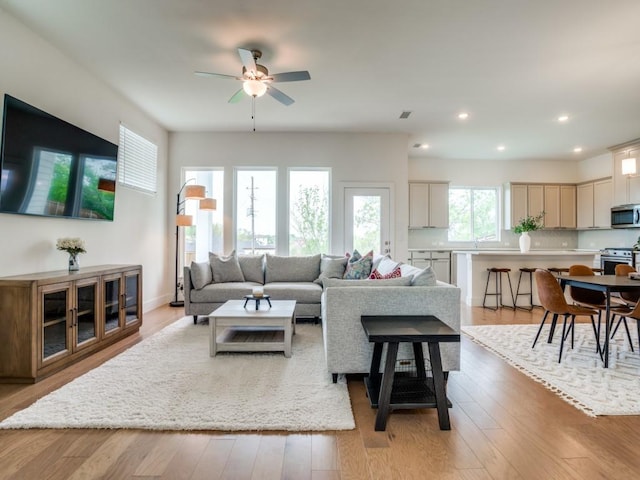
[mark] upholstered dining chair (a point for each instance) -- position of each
(631, 298)
(553, 301)
(597, 300)
(635, 315)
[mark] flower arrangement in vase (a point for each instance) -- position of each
(73, 246)
(526, 225)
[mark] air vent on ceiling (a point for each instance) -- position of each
(417, 145)
(405, 114)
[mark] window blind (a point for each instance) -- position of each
(137, 161)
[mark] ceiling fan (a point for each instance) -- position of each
(256, 79)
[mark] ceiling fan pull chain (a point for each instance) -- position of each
(253, 112)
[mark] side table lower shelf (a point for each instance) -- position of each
(407, 392)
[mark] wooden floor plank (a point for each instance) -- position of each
(504, 426)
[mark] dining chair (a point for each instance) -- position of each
(635, 315)
(553, 301)
(598, 301)
(631, 298)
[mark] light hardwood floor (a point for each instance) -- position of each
(504, 425)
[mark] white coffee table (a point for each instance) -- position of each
(243, 327)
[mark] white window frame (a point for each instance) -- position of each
(498, 192)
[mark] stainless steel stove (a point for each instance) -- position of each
(612, 256)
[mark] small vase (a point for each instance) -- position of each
(73, 262)
(525, 242)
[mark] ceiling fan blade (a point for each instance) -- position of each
(247, 60)
(239, 95)
(219, 75)
(291, 76)
(279, 96)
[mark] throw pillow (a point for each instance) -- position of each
(331, 267)
(425, 278)
(358, 267)
(395, 273)
(386, 265)
(391, 282)
(252, 268)
(225, 269)
(291, 269)
(201, 274)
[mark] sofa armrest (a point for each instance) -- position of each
(187, 286)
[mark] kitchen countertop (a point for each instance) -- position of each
(515, 251)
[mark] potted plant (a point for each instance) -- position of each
(526, 225)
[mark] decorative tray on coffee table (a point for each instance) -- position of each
(257, 300)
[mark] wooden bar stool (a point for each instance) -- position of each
(529, 293)
(498, 288)
(558, 270)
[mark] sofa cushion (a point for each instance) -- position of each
(252, 267)
(391, 282)
(331, 267)
(424, 278)
(358, 266)
(376, 275)
(221, 292)
(301, 292)
(225, 269)
(291, 269)
(201, 274)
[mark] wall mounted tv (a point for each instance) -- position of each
(52, 168)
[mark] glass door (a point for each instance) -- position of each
(86, 313)
(56, 316)
(112, 301)
(367, 219)
(132, 291)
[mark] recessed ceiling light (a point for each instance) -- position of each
(463, 115)
(577, 149)
(501, 148)
(563, 118)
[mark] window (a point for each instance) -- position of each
(138, 160)
(255, 215)
(308, 211)
(473, 214)
(206, 233)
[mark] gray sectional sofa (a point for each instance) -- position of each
(316, 283)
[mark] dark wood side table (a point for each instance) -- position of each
(388, 391)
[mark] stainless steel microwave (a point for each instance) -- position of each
(625, 216)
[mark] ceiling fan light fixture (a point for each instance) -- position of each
(255, 88)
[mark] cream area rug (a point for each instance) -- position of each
(580, 378)
(169, 382)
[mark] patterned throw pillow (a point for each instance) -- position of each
(358, 267)
(395, 273)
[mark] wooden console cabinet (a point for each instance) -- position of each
(50, 320)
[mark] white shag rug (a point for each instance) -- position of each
(169, 382)
(580, 378)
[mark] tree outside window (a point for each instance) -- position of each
(473, 214)
(308, 212)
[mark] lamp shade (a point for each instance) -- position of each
(255, 88)
(208, 204)
(628, 166)
(194, 192)
(184, 220)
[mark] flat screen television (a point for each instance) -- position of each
(52, 168)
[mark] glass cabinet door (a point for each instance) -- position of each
(86, 320)
(56, 316)
(111, 304)
(132, 296)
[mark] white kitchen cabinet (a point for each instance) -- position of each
(626, 189)
(439, 260)
(428, 205)
(595, 200)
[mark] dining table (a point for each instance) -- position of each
(607, 284)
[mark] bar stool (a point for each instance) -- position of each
(529, 271)
(557, 271)
(498, 290)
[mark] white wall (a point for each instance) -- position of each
(35, 72)
(352, 157)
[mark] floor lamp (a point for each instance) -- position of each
(191, 192)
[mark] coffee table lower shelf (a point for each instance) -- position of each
(407, 392)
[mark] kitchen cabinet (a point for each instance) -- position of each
(595, 200)
(559, 206)
(558, 201)
(428, 205)
(439, 260)
(50, 320)
(627, 188)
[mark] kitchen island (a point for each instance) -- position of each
(471, 269)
